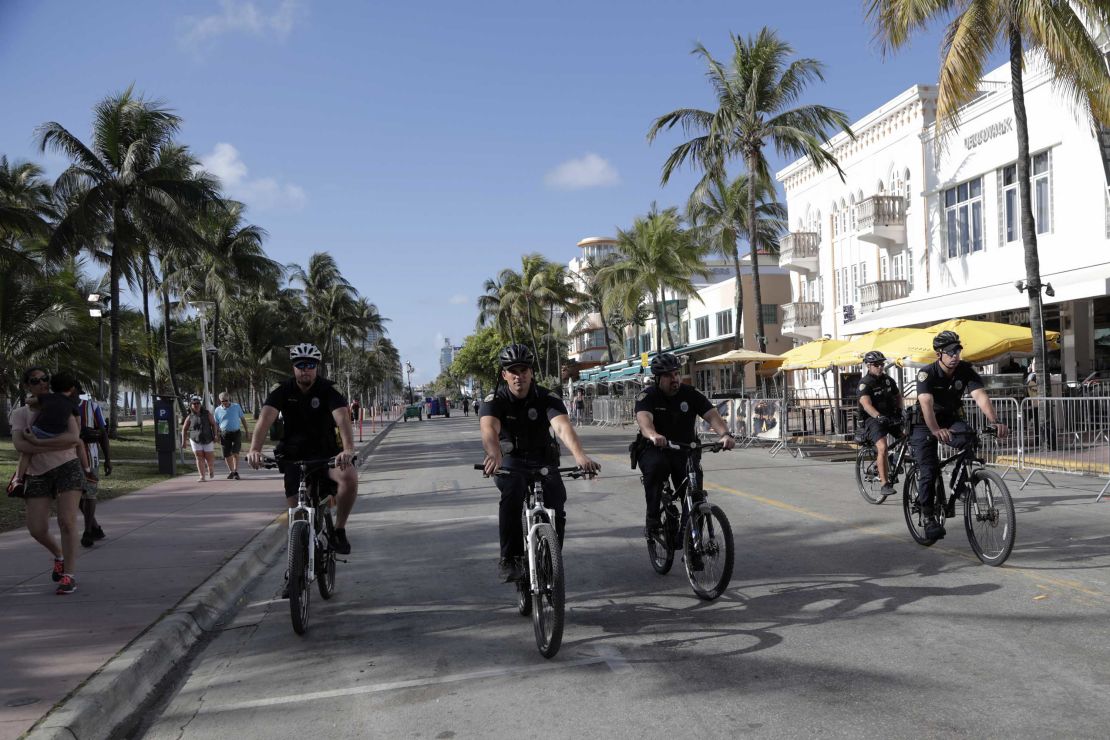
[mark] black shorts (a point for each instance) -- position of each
(874, 430)
(232, 442)
(66, 477)
(292, 475)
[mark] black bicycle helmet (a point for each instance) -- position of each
(664, 363)
(945, 340)
(516, 354)
(873, 356)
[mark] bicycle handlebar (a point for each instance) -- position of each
(572, 472)
(272, 462)
(712, 446)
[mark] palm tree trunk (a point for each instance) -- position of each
(737, 339)
(215, 342)
(532, 329)
(149, 341)
(753, 242)
(169, 346)
(1028, 228)
(667, 319)
(113, 366)
(608, 342)
(658, 324)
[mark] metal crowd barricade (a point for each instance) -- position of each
(1066, 435)
(1002, 453)
(612, 412)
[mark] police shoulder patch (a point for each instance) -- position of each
(489, 398)
(642, 396)
(862, 387)
(923, 375)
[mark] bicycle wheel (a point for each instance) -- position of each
(709, 552)
(549, 599)
(867, 475)
(661, 544)
(325, 558)
(989, 517)
(299, 542)
(914, 521)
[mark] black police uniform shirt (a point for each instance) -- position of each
(309, 425)
(674, 416)
(884, 394)
(525, 422)
(947, 390)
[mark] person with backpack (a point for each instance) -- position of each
(200, 426)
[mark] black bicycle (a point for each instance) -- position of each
(540, 591)
(700, 529)
(988, 508)
(868, 483)
(310, 521)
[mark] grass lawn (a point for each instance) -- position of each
(128, 474)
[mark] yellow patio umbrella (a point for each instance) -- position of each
(853, 352)
(738, 355)
(810, 356)
(983, 341)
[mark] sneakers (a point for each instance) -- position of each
(342, 546)
(652, 527)
(887, 489)
(97, 533)
(508, 570)
(66, 585)
(231, 475)
(87, 539)
(236, 474)
(59, 570)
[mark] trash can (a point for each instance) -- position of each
(165, 434)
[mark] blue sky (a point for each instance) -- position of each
(425, 145)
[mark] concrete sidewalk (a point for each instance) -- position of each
(163, 542)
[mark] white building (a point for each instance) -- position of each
(585, 334)
(922, 231)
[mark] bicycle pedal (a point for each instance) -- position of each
(340, 560)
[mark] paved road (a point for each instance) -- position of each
(836, 624)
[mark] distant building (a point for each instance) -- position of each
(585, 334)
(447, 355)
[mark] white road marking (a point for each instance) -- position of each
(609, 657)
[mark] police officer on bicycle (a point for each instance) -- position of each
(516, 422)
(880, 403)
(312, 410)
(667, 413)
(940, 388)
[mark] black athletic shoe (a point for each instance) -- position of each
(87, 539)
(652, 527)
(285, 590)
(342, 546)
(887, 489)
(231, 475)
(507, 570)
(934, 530)
(97, 533)
(236, 474)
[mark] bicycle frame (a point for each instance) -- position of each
(305, 511)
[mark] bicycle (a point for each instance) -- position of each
(541, 590)
(700, 529)
(310, 520)
(988, 508)
(868, 482)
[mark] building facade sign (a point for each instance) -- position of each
(990, 132)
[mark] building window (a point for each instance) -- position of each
(645, 342)
(630, 347)
(855, 284)
(770, 313)
(724, 323)
(963, 216)
(1041, 188)
(884, 268)
(701, 327)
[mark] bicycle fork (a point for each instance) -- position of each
(536, 516)
(302, 512)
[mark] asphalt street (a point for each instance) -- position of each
(836, 623)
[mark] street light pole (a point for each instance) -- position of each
(408, 367)
(201, 307)
(98, 305)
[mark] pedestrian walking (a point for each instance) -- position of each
(200, 430)
(94, 440)
(466, 406)
(231, 421)
(54, 475)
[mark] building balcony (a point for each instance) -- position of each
(798, 251)
(872, 296)
(801, 320)
(881, 220)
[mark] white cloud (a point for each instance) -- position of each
(243, 16)
(589, 171)
(459, 299)
(265, 193)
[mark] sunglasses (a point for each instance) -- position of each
(306, 365)
(953, 352)
(196, 403)
(38, 379)
(875, 364)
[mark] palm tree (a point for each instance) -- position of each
(1060, 31)
(493, 311)
(26, 210)
(654, 256)
(328, 297)
(131, 182)
(720, 217)
(754, 94)
(525, 292)
(559, 293)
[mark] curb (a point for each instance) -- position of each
(110, 697)
(126, 682)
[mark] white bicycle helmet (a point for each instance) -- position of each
(305, 351)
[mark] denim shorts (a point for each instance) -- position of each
(66, 477)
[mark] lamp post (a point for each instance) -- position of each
(1034, 291)
(408, 368)
(98, 307)
(201, 307)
